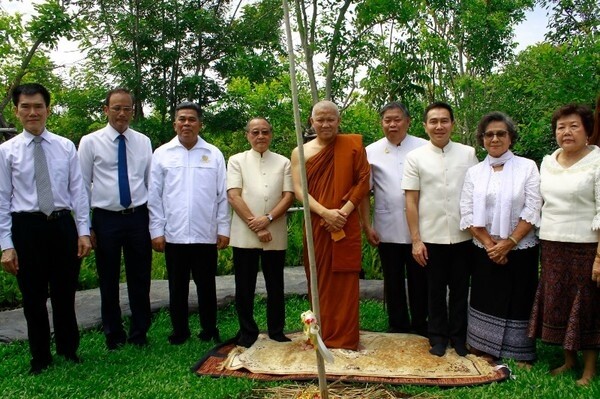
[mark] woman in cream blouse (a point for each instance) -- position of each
(566, 310)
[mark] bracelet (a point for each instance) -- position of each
(513, 239)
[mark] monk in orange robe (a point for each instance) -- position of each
(338, 178)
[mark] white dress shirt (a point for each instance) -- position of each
(187, 196)
(263, 181)
(18, 192)
(387, 168)
(438, 174)
(571, 210)
(98, 155)
(526, 198)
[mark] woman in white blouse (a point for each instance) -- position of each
(566, 311)
(500, 205)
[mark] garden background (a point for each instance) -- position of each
(229, 56)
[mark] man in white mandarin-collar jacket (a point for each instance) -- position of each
(260, 190)
(189, 220)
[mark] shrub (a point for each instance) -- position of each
(10, 295)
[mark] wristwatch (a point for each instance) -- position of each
(270, 217)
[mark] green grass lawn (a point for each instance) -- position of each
(163, 371)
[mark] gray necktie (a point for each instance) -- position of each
(42, 178)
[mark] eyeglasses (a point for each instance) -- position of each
(119, 109)
(501, 134)
(262, 133)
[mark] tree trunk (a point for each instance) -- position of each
(308, 44)
(17, 80)
(333, 50)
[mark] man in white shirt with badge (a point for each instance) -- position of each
(389, 232)
(189, 220)
(433, 180)
(115, 163)
(42, 242)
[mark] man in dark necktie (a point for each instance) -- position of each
(43, 225)
(115, 163)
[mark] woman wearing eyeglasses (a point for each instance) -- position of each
(500, 205)
(566, 311)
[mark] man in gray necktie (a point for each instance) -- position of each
(44, 229)
(42, 178)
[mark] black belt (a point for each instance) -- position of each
(127, 211)
(53, 216)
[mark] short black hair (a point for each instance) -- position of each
(497, 116)
(585, 113)
(394, 105)
(30, 89)
(190, 105)
(438, 104)
(115, 91)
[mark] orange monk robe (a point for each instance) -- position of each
(337, 174)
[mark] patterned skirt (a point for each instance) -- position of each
(501, 301)
(566, 310)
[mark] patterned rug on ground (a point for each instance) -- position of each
(384, 358)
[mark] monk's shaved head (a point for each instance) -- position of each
(325, 104)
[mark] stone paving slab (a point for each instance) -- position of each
(87, 303)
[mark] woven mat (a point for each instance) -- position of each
(385, 358)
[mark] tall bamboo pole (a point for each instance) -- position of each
(314, 291)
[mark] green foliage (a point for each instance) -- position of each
(52, 22)
(255, 45)
(543, 78)
(572, 18)
(361, 119)
(10, 295)
(371, 263)
(438, 50)
(294, 255)
(168, 51)
(20, 58)
(225, 120)
(88, 276)
(78, 107)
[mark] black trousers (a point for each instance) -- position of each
(201, 261)
(245, 262)
(447, 268)
(395, 260)
(48, 265)
(127, 233)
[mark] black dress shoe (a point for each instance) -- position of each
(460, 348)
(37, 366)
(176, 339)
(138, 341)
(396, 330)
(438, 350)
(245, 340)
(112, 345)
(206, 336)
(244, 343)
(115, 340)
(279, 338)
